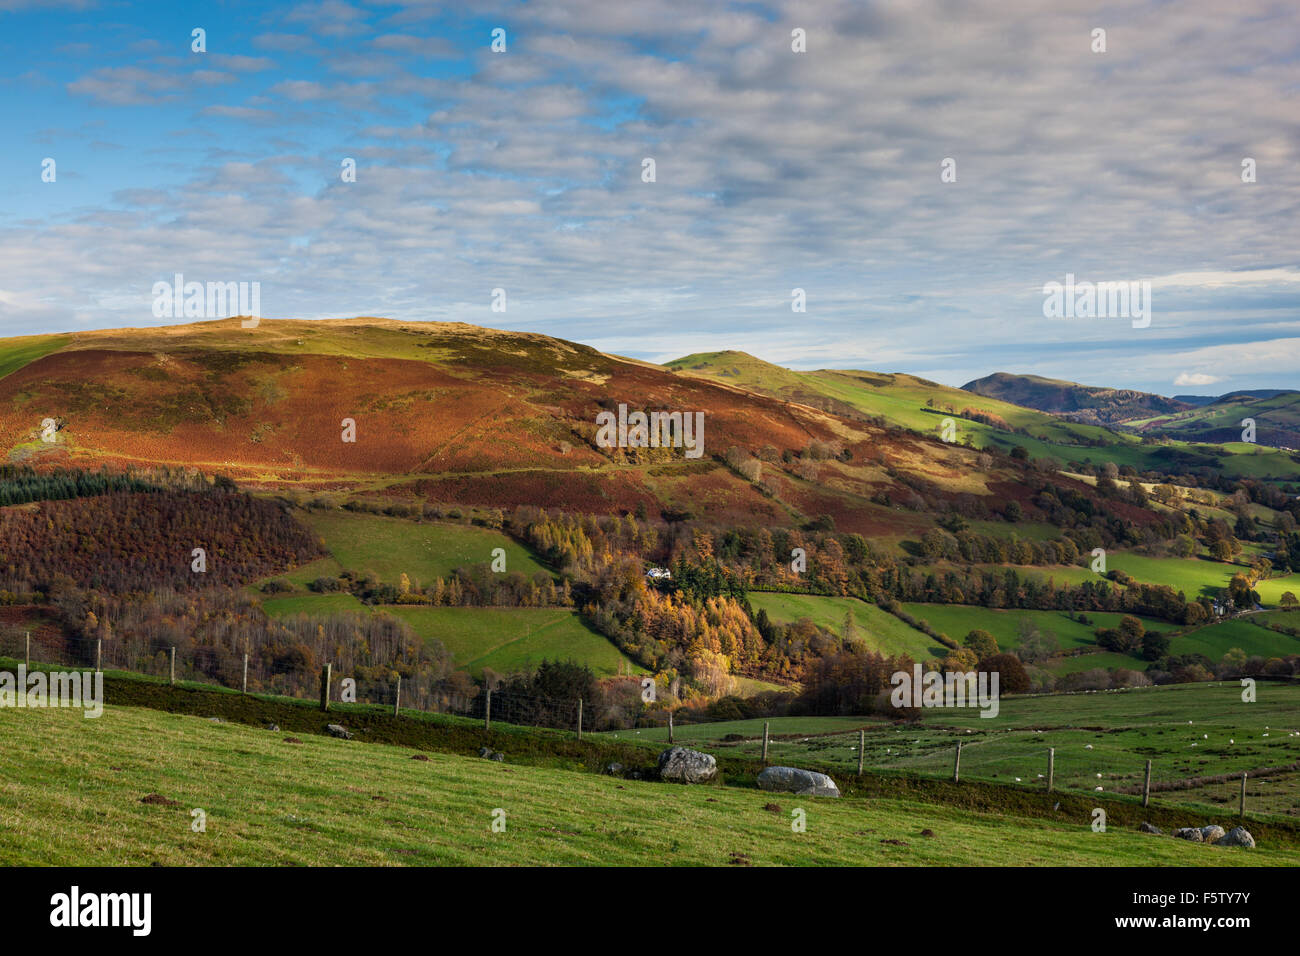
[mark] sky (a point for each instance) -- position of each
(774, 170)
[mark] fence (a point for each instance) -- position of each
(218, 667)
(221, 667)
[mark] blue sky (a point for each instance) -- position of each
(774, 170)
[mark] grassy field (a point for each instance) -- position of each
(879, 629)
(15, 353)
(958, 620)
(423, 550)
(71, 791)
(1107, 660)
(508, 640)
(1111, 734)
(1197, 577)
(312, 604)
(1215, 640)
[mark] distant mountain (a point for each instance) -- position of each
(1095, 405)
(1201, 400)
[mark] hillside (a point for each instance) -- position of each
(1276, 417)
(268, 798)
(906, 401)
(1084, 403)
(459, 414)
(1199, 400)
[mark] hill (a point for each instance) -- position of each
(313, 800)
(983, 421)
(1199, 400)
(1084, 403)
(1276, 417)
(453, 413)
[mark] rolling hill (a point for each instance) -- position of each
(454, 413)
(989, 422)
(1097, 406)
(1276, 418)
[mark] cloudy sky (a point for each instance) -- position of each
(774, 170)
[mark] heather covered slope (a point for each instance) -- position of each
(456, 413)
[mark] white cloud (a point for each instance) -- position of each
(1196, 378)
(774, 170)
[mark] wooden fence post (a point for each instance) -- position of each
(245, 673)
(326, 673)
(99, 654)
(1241, 810)
(1051, 768)
(1146, 787)
(173, 670)
(956, 766)
(487, 711)
(862, 747)
(765, 726)
(397, 700)
(579, 718)
(670, 726)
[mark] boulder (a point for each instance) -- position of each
(803, 783)
(498, 756)
(614, 769)
(338, 730)
(1148, 828)
(485, 751)
(1237, 836)
(273, 727)
(680, 765)
(1193, 834)
(1212, 833)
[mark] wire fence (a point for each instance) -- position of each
(843, 750)
(249, 673)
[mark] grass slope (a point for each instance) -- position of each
(423, 550)
(72, 789)
(17, 352)
(958, 620)
(508, 640)
(879, 629)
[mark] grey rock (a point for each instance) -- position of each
(338, 730)
(614, 769)
(680, 765)
(485, 751)
(1237, 836)
(498, 756)
(1148, 828)
(1212, 833)
(803, 783)
(1193, 834)
(273, 727)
